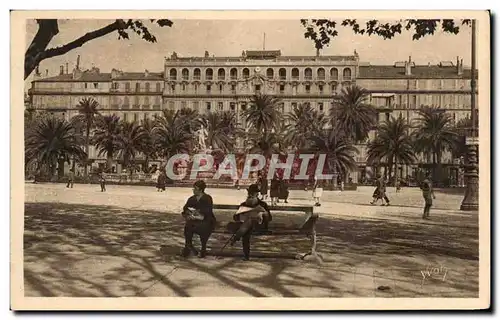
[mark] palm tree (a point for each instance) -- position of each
(222, 130)
(171, 135)
(190, 118)
(392, 143)
(131, 140)
(339, 151)
(262, 113)
(435, 135)
(52, 140)
(352, 114)
(463, 128)
(302, 124)
(87, 116)
(148, 144)
(107, 137)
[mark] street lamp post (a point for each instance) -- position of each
(471, 198)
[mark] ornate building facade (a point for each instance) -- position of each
(210, 83)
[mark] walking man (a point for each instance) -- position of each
(428, 194)
(102, 181)
(380, 192)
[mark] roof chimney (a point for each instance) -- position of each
(78, 63)
(460, 67)
(67, 68)
(61, 70)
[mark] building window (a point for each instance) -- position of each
(308, 74)
(295, 74)
(171, 105)
(221, 74)
(232, 106)
(321, 74)
(145, 116)
(209, 106)
(220, 106)
(209, 74)
(185, 74)
(197, 74)
(195, 88)
(347, 74)
(127, 86)
(137, 87)
(125, 116)
(85, 85)
(136, 116)
(413, 100)
(183, 87)
(321, 88)
(308, 88)
(116, 85)
(257, 88)
(196, 105)
(209, 88)
(282, 88)
(146, 101)
(126, 102)
(157, 100)
(387, 116)
(233, 88)
(147, 87)
(158, 87)
(220, 88)
(246, 73)
(173, 74)
(243, 106)
(270, 73)
(233, 73)
(320, 106)
(183, 105)
(282, 73)
(173, 88)
(334, 74)
(136, 101)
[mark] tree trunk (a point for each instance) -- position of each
(87, 148)
(396, 171)
(109, 162)
(434, 162)
(146, 163)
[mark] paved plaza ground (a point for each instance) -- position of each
(83, 243)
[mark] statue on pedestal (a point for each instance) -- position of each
(202, 134)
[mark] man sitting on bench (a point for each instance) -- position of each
(200, 219)
(252, 214)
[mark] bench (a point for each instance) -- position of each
(307, 227)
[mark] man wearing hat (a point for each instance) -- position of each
(252, 214)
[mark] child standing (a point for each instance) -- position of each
(317, 191)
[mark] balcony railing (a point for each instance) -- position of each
(209, 78)
(196, 77)
(308, 77)
(234, 78)
(173, 78)
(282, 77)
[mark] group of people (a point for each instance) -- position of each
(425, 186)
(278, 189)
(254, 214)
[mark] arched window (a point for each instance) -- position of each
(185, 74)
(173, 74)
(209, 74)
(321, 74)
(270, 73)
(346, 74)
(282, 73)
(246, 73)
(295, 74)
(308, 74)
(334, 74)
(197, 74)
(221, 74)
(233, 73)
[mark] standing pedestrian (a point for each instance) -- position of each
(283, 193)
(428, 194)
(162, 181)
(102, 181)
(71, 178)
(275, 190)
(262, 182)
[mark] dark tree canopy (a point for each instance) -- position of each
(49, 28)
(321, 31)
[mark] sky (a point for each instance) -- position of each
(231, 37)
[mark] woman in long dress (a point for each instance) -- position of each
(317, 191)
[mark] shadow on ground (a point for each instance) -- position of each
(94, 251)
